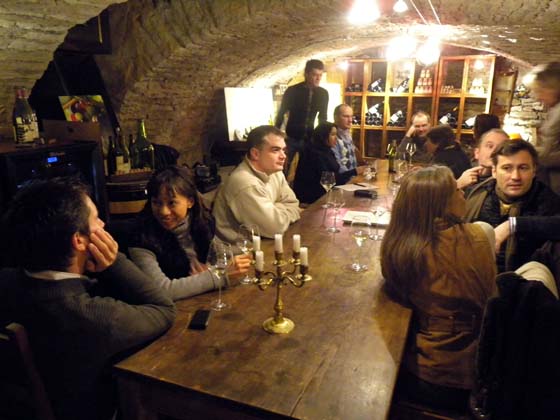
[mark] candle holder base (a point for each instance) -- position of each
(278, 327)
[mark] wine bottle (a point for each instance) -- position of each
(398, 119)
(450, 118)
(126, 165)
(376, 86)
(403, 86)
(24, 119)
(392, 154)
(111, 157)
(145, 148)
(133, 152)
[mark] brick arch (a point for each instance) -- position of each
(172, 57)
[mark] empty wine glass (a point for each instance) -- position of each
(361, 231)
(219, 259)
(244, 242)
(327, 182)
(378, 212)
(411, 150)
(337, 201)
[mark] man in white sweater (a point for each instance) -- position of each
(257, 192)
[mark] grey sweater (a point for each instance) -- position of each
(78, 327)
(178, 288)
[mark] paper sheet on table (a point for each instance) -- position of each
(382, 220)
(354, 187)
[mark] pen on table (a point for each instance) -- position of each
(360, 185)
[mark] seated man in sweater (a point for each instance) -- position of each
(511, 192)
(78, 325)
(257, 192)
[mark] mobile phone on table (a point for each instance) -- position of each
(199, 321)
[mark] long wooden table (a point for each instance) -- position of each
(340, 362)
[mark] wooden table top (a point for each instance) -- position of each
(340, 361)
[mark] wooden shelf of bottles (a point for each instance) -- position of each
(464, 90)
(378, 89)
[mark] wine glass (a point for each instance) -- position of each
(219, 259)
(361, 232)
(377, 211)
(327, 182)
(411, 150)
(337, 201)
(244, 242)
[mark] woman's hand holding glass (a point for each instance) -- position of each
(240, 267)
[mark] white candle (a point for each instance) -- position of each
(259, 260)
(256, 243)
(303, 256)
(278, 247)
(297, 242)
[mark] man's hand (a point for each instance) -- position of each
(469, 177)
(411, 131)
(197, 267)
(360, 170)
(502, 233)
(240, 266)
(103, 250)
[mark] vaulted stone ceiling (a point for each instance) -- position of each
(171, 58)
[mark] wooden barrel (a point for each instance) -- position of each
(126, 198)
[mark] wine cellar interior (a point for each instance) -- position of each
(168, 61)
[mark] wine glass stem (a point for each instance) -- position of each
(222, 278)
(334, 219)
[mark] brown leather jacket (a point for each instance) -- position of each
(448, 307)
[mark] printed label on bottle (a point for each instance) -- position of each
(120, 163)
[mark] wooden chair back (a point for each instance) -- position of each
(22, 393)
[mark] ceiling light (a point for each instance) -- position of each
(429, 52)
(400, 6)
(363, 12)
(401, 47)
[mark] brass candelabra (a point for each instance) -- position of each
(278, 324)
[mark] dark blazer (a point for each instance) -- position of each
(517, 367)
(312, 162)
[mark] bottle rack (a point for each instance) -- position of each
(377, 89)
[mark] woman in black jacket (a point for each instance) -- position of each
(441, 144)
(318, 157)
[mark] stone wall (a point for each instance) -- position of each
(172, 58)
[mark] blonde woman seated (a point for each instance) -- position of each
(173, 236)
(444, 270)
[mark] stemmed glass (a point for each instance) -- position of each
(361, 232)
(219, 259)
(337, 201)
(327, 182)
(244, 242)
(411, 150)
(377, 211)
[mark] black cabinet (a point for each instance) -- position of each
(82, 159)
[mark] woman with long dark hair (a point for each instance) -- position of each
(444, 270)
(318, 157)
(173, 236)
(441, 144)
